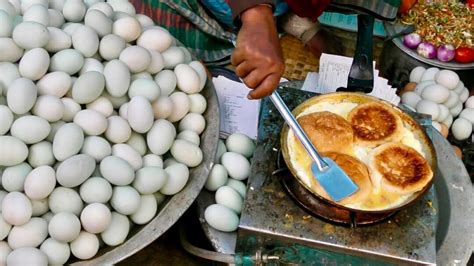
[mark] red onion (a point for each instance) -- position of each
(412, 40)
(427, 50)
(445, 53)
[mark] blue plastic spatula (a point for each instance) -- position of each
(329, 175)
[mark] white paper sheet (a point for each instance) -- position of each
(237, 113)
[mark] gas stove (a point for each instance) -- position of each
(280, 220)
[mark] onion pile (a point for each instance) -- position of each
(100, 117)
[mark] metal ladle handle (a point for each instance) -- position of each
(291, 121)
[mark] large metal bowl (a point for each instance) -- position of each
(359, 98)
(174, 207)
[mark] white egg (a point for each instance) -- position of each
(193, 122)
(117, 170)
(221, 149)
(12, 52)
(4, 228)
(162, 107)
(85, 40)
(39, 207)
(435, 93)
(241, 144)
(152, 160)
(181, 106)
(443, 113)
(48, 107)
(88, 87)
(16, 208)
(178, 177)
(156, 39)
(452, 100)
(57, 252)
(67, 60)
(197, 103)
(429, 108)
(92, 64)
(230, 198)
(190, 136)
(217, 178)
(34, 63)
(118, 230)
(96, 189)
(236, 164)
(29, 35)
(30, 234)
(128, 28)
(6, 24)
(464, 95)
(146, 211)
(201, 71)
(447, 78)
(138, 142)
(239, 186)
(30, 129)
(27, 256)
(117, 78)
(6, 119)
(410, 98)
(187, 79)
(456, 109)
(58, 40)
(416, 74)
(469, 102)
(4, 252)
(186, 152)
(136, 58)
(157, 62)
(429, 74)
(95, 218)
(37, 13)
(68, 141)
(92, 122)
(129, 154)
(64, 199)
(74, 11)
(118, 129)
(111, 46)
(21, 95)
(221, 218)
(64, 227)
(166, 80)
(150, 179)
(461, 128)
(144, 87)
(40, 182)
(12, 151)
(125, 200)
(448, 121)
(140, 114)
(99, 21)
(173, 56)
(161, 136)
(41, 154)
(54, 83)
(13, 177)
(101, 105)
(85, 246)
(75, 170)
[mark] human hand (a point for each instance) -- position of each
(257, 56)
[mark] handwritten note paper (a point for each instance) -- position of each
(237, 113)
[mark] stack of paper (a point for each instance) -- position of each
(334, 73)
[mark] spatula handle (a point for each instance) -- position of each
(295, 126)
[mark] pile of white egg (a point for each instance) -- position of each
(226, 179)
(441, 94)
(100, 117)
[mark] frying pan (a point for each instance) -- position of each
(359, 98)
